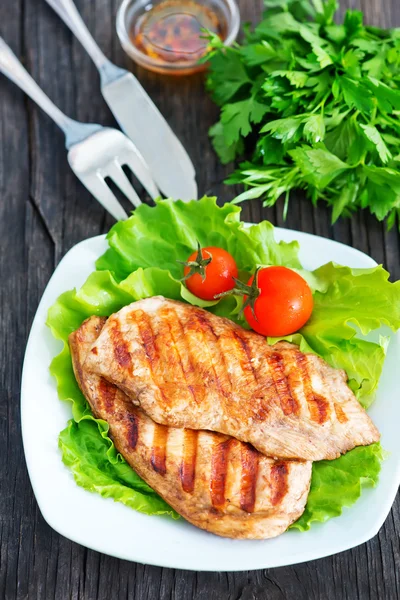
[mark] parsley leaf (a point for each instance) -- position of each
(318, 104)
(257, 54)
(318, 165)
(314, 129)
(356, 95)
(227, 153)
(228, 70)
(373, 135)
(238, 116)
(283, 129)
(388, 98)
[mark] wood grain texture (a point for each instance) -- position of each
(44, 211)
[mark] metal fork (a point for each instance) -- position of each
(136, 114)
(94, 152)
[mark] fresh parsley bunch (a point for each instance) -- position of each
(317, 104)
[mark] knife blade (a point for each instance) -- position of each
(140, 119)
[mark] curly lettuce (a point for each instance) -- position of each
(142, 262)
(336, 484)
(160, 236)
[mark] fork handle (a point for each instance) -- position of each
(68, 12)
(11, 67)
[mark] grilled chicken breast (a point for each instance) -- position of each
(216, 482)
(186, 367)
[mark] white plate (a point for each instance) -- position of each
(112, 528)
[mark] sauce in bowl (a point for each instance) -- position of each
(171, 32)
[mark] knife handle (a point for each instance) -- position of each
(68, 12)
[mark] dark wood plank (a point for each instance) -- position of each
(43, 212)
(17, 503)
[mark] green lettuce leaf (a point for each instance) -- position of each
(89, 453)
(336, 484)
(141, 262)
(160, 236)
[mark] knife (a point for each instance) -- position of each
(136, 114)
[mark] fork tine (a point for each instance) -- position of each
(139, 167)
(95, 183)
(115, 171)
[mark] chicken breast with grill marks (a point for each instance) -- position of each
(216, 482)
(186, 367)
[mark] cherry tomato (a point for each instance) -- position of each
(284, 303)
(213, 274)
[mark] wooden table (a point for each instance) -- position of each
(43, 212)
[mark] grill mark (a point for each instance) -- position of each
(341, 416)
(199, 322)
(288, 402)
(222, 357)
(204, 375)
(146, 333)
(183, 338)
(133, 430)
(159, 449)
(192, 390)
(248, 481)
(185, 372)
(317, 405)
(259, 393)
(197, 391)
(279, 482)
(247, 352)
(219, 463)
(107, 393)
(121, 349)
(101, 321)
(148, 339)
(188, 465)
(318, 409)
(206, 326)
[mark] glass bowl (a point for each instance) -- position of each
(131, 12)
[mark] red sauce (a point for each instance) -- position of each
(171, 31)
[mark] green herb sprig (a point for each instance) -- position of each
(317, 106)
